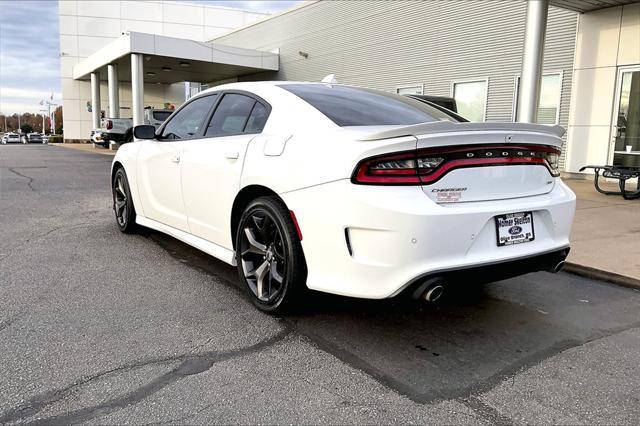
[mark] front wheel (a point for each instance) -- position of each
(270, 260)
(122, 203)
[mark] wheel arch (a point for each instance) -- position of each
(117, 165)
(242, 200)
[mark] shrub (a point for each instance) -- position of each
(55, 139)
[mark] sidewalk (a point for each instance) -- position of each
(87, 147)
(605, 236)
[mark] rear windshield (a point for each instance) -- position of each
(161, 115)
(354, 106)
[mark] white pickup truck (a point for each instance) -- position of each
(120, 130)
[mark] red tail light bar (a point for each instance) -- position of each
(426, 166)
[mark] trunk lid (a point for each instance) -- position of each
(481, 161)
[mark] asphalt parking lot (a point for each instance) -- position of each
(99, 327)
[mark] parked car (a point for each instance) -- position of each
(442, 101)
(346, 190)
(11, 138)
(34, 138)
(120, 130)
(96, 138)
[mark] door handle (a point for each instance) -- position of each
(175, 159)
(232, 155)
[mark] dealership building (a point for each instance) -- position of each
(581, 59)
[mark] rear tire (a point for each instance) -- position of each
(271, 263)
(123, 203)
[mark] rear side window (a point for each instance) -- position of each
(231, 115)
(257, 119)
(354, 106)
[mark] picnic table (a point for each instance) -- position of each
(621, 173)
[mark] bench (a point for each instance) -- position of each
(622, 174)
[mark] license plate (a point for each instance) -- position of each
(514, 228)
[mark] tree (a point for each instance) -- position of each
(58, 116)
(26, 128)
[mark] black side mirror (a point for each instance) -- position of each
(144, 131)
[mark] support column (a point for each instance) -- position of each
(114, 97)
(536, 24)
(95, 100)
(137, 88)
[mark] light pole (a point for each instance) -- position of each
(44, 127)
(50, 104)
(52, 117)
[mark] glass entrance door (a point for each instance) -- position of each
(626, 119)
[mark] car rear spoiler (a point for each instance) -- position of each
(448, 126)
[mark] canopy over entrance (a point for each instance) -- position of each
(138, 58)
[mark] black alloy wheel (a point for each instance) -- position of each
(269, 255)
(122, 203)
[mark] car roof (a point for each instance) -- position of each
(248, 85)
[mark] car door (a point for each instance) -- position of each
(212, 166)
(159, 163)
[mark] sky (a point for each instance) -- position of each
(29, 49)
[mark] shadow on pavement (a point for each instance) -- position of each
(476, 337)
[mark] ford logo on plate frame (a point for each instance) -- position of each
(515, 230)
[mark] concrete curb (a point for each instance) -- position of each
(85, 148)
(598, 274)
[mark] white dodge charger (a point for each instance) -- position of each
(347, 190)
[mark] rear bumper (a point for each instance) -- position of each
(491, 272)
(116, 137)
(374, 242)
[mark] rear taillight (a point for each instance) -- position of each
(109, 124)
(426, 166)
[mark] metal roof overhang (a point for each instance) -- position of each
(173, 60)
(583, 6)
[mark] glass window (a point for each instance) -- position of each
(549, 105)
(188, 121)
(627, 123)
(354, 106)
(471, 99)
(257, 119)
(161, 115)
(409, 90)
(231, 115)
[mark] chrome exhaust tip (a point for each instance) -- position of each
(433, 293)
(558, 266)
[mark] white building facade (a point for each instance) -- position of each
(588, 74)
(88, 26)
(604, 117)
